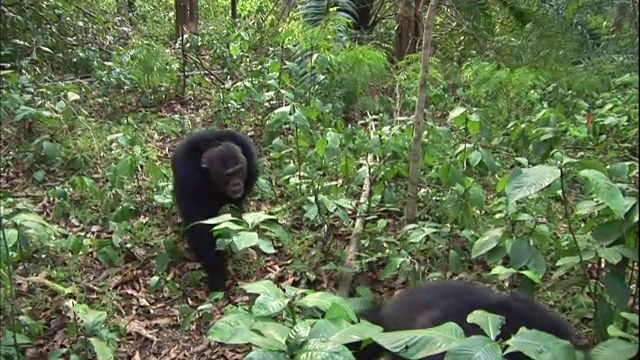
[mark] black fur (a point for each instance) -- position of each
(198, 199)
(434, 303)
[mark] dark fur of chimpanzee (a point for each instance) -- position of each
(199, 197)
(434, 303)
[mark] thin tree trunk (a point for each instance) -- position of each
(418, 123)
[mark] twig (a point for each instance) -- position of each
(346, 278)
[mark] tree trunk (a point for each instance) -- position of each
(193, 16)
(186, 16)
(415, 162)
(408, 28)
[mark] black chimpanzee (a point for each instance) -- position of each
(434, 303)
(211, 168)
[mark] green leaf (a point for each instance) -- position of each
(298, 334)
(476, 197)
(393, 263)
(255, 218)
(266, 246)
(605, 191)
(322, 349)
(416, 344)
(321, 300)
(71, 96)
(520, 253)
(266, 287)
(633, 318)
(269, 304)
(488, 322)
(617, 288)
(488, 241)
(342, 332)
(321, 146)
(456, 112)
(615, 349)
(162, 262)
(475, 347)
(610, 254)
(537, 263)
(11, 237)
(273, 330)
(233, 329)
(261, 354)
(539, 345)
(488, 160)
(50, 150)
(502, 272)
(526, 182)
(102, 349)
(474, 158)
(455, 262)
(245, 239)
(217, 220)
(614, 331)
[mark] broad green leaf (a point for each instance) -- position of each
(605, 191)
(416, 344)
(537, 263)
(255, 218)
(266, 287)
(102, 349)
(488, 322)
(245, 239)
(488, 241)
(321, 146)
(342, 332)
(475, 347)
(321, 300)
(488, 160)
(520, 253)
(474, 158)
(456, 112)
(269, 305)
(322, 349)
(526, 182)
(540, 345)
(615, 349)
(266, 246)
(614, 331)
(218, 219)
(272, 330)
(162, 262)
(261, 354)
(233, 329)
(617, 288)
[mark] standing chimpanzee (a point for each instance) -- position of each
(211, 168)
(434, 303)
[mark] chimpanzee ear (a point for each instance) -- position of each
(206, 156)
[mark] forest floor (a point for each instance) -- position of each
(152, 321)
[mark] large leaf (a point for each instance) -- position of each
(605, 191)
(416, 344)
(539, 345)
(488, 241)
(614, 349)
(526, 182)
(475, 348)
(488, 322)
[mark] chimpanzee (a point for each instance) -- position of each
(211, 168)
(434, 303)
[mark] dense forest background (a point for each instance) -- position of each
(515, 164)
